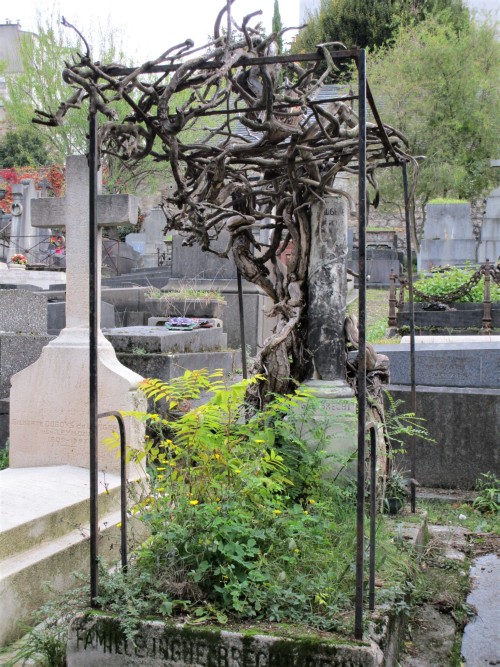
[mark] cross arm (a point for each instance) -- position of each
(113, 210)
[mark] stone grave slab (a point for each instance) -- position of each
(451, 340)
(379, 262)
(56, 316)
(160, 339)
(166, 366)
(489, 247)
(98, 640)
(464, 422)
(55, 430)
(150, 243)
(191, 262)
(448, 236)
(26, 279)
(23, 311)
(17, 351)
(454, 365)
(23, 334)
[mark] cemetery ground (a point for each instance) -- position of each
(249, 534)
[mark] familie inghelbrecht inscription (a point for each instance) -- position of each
(99, 640)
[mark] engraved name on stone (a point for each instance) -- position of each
(174, 650)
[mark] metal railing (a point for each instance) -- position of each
(489, 271)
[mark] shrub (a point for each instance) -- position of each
(445, 281)
(243, 523)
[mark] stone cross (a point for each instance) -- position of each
(72, 212)
(44, 186)
(54, 430)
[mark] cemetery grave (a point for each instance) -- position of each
(245, 525)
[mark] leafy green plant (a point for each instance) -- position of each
(45, 642)
(4, 456)
(443, 282)
(399, 426)
(488, 500)
(243, 521)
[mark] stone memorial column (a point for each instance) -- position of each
(326, 315)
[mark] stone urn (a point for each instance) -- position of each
(170, 306)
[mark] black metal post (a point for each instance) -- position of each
(93, 402)
(242, 326)
(123, 485)
(373, 512)
(360, 536)
(413, 452)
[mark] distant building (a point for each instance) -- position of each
(10, 57)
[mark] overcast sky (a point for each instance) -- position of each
(149, 28)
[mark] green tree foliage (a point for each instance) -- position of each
(441, 88)
(22, 149)
(40, 86)
(277, 24)
(370, 23)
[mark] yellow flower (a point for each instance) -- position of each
(311, 501)
(160, 489)
(277, 511)
(238, 472)
(160, 468)
(306, 512)
(218, 509)
(297, 551)
(119, 525)
(217, 456)
(259, 442)
(193, 502)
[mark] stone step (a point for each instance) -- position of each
(44, 537)
(40, 504)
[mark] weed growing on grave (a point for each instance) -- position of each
(44, 644)
(488, 500)
(4, 456)
(185, 294)
(245, 522)
(400, 426)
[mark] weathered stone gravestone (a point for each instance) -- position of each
(458, 399)
(489, 246)
(448, 237)
(50, 399)
(193, 267)
(379, 263)
(24, 238)
(23, 335)
(193, 263)
(151, 241)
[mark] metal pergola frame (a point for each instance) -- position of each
(363, 96)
